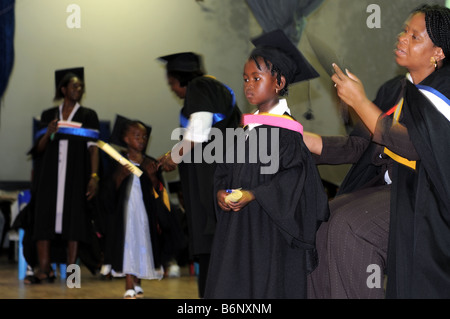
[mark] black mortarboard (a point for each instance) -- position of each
(182, 62)
(60, 74)
(324, 53)
(276, 47)
(117, 133)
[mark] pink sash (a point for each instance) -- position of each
(282, 121)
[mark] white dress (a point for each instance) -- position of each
(138, 252)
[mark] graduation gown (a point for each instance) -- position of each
(267, 249)
(204, 94)
(419, 242)
(76, 212)
(369, 169)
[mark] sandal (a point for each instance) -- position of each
(33, 279)
(129, 294)
(139, 291)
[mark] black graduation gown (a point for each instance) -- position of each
(204, 94)
(77, 214)
(370, 168)
(116, 236)
(419, 242)
(267, 249)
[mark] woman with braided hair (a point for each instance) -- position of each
(408, 124)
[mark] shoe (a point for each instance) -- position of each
(139, 291)
(33, 279)
(105, 277)
(174, 271)
(129, 294)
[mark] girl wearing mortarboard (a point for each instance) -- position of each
(264, 245)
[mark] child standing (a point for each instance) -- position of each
(264, 245)
(137, 235)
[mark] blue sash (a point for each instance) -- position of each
(82, 132)
(439, 100)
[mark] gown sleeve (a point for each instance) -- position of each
(294, 197)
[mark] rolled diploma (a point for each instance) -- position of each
(108, 149)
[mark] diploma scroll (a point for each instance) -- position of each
(108, 149)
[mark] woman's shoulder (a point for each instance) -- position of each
(49, 113)
(440, 81)
(87, 109)
(207, 81)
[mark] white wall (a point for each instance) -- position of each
(117, 44)
(119, 41)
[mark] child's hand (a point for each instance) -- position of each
(221, 195)
(246, 198)
(151, 167)
(125, 170)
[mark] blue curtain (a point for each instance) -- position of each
(287, 15)
(7, 23)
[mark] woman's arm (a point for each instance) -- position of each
(351, 90)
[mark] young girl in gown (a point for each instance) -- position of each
(264, 245)
(137, 236)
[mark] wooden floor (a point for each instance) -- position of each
(184, 287)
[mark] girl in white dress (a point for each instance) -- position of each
(139, 220)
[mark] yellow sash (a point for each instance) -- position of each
(165, 197)
(396, 157)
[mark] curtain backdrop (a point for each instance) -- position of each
(287, 15)
(6, 42)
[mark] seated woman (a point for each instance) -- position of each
(407, 126)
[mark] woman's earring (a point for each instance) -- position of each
(276, 91)
(434, 62)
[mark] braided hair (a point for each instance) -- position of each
(274, 70)
(437, 19)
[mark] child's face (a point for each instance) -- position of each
(260, 86)
(136, 138)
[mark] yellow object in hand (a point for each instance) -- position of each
(234, 196)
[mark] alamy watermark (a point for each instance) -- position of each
(374, 19)
(74, 278)
(73, 21)
(375, 278)
(263, 147)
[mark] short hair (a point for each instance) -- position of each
(64, 83)
(185, 77)
(129, 124)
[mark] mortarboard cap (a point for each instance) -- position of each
(276, 47)
(60, 74)
(182, 62)
(324, 53)
(120, 123)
